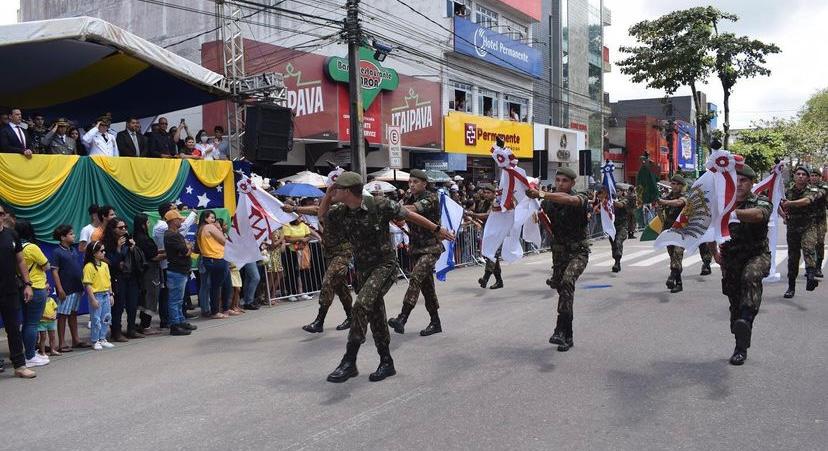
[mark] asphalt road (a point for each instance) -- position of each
(649, 370)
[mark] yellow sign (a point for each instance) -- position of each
(475, 135)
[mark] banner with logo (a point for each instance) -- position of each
(415, 107)
(482, 43)
(686, 146)
(475, 135)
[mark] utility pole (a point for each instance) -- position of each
(354, 36)
(669, 134)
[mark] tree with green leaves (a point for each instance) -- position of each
(738, 57)
(674, 51)
(761, 147)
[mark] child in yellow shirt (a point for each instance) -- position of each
(98, 285)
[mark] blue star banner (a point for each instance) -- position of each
(199, 197)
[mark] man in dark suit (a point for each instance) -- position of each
(14, 138)
(131, 143)
(160, 144)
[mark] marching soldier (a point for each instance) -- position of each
(745, 260)
(425, 251)
(632, 223)
(337, 251)
(481, 213)
(820, 205)
(799, 211)
(364, 222)
(671, 206)
(568, 212)
(707, 258)
(622, 223)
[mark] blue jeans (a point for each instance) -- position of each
(176, 284)
(250, 282)
(32, 311)
(219, 272)
(101, 317)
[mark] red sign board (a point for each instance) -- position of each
(371, 123)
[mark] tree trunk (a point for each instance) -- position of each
(701, 126)
(726, 124)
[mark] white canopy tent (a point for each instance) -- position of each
(308, 177)
(390, 175)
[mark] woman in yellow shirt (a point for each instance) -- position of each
(98, 285)
(37, 264)
(297, 234)
(211, 241)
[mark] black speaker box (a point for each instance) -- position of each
(268, 133)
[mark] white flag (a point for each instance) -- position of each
(451, 215)
(772, 187)
(258, 214)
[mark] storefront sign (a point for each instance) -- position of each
(371, 129)
(479, 42)
(394, 147)
(415, 108)
(475, 135)
(372, 76)
(686, 147)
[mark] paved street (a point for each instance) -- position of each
(649, 370)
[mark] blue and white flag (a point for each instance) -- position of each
(606, 206)
(451, 215)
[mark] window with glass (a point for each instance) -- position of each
(596, 47)
(517, 108)
(462, 97)
(513, 29)
(487, 103)
(565, 61)
(462, 8)
(485, 17)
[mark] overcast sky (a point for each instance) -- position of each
(798, 27)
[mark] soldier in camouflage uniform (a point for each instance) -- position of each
(671, 206)
(364, 222)
(745, 260)
(622, 222)
(481, 213)
(425, 249)
(632, 205)
(800, 212)
(568, 212)
(820, 205)
(337, 251)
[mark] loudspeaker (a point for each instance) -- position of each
(268, 133)
(540, 164)
(585, 162)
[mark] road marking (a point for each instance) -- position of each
(632, 256)
(653, 260)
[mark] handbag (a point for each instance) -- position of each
(304, 257)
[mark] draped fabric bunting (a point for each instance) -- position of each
(38, 190)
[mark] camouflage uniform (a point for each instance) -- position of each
(821, 204)
(367, 230)
(632, 223)
(746, 260)
(570, 247)
(802, 230)
(338, 252)
(426, 248)
(622, 222)
(669, 215)
(492, 266)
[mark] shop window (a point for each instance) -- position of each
(487, 103)
(461, 97)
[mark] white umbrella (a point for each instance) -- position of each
(378, 185)
(308, 177)
(390, 175)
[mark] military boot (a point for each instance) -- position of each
(671, 280)
(705, 270)
(791, 288)
(434, 327)
(316, 326)
(398, 323)
(559, 336)
(742, 330)
(498, 282)
(818, 271)
(386, 366)
(739, 356)
(568, 341)
(484, 281)
(552, 284)
(617, 266)
(811, 283)
(677, 287)
(347, 323)
(347, 367)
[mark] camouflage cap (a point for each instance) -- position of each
(802, 167)
(815, 171)
(567, 172)
(746, 171)
(348, 179)
(486, 186)
(679, 179)
(419, 173)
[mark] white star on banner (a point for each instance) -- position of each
(189, 190)
(203, 200)
(219, 188)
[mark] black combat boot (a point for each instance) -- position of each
(818, 271)
(434, 327)
(316, 326)
(741, 329)
(498, 282)
(347, 323)
(568, 341)
(617, 266)
(146, 321)
(347, 367)
(671, 280)
(811, 282)
(791, 288)
(705, 271)
(398, 323)
(483, 281)
(559, 336)
(677, 287)
(386, 366)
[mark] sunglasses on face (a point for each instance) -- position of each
(123, 227)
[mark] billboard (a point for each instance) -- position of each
(482, 43)
(475, 135)
(686, 146)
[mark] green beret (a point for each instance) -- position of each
(487, 186)
(676, 178)
(568, 172)
(802, 168)
(746, 171)
(348, 179)
(419, 173)
(815, 171)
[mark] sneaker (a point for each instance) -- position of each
(305, 297)
(97, 346)
(292, 299)
(33, 362)
(106, 344)
(42, 357)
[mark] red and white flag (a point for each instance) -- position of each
(258, 214)
(773, 187)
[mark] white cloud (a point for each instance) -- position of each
(796, 26)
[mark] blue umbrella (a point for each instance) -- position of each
(299, 190)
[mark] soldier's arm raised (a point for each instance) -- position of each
(325, 204)
(312, 210)
(678, 203)
(752, 215)
(422, 221)
(558, 198)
